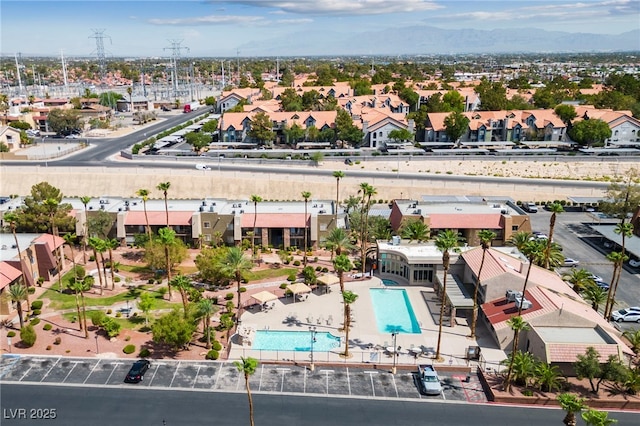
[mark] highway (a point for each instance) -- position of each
(132, 405)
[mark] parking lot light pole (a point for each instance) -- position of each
(312, 331)
(395, 352)
(97, 350)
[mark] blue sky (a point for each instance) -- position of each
(220, 28)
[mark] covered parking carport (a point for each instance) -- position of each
(457, 297)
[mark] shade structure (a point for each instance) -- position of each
(299, 288)
(328, 279)
(264, 297)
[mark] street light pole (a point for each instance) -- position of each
(395, 352)
(312, 331)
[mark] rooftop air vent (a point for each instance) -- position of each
(512, 295)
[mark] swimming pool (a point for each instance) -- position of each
(390, 283)
(273, 340)
(393, 310)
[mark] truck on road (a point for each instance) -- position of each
(429, 380)
(191, 106)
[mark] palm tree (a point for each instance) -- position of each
(415, 230)
(572, 404)
(182, 283)
(255, 199)
(633, 336)
(79, 285)
(18, 294)
(617, 258)
(12, 220)
(555, 209)
(367, 192)
(445, 241)
(519, 239)
(351, 203)
(51, 205)
(164, 187)
(129, 91)
(624, 229)
(594, 294)
(338, 240)
(532, 250)
(85, 201)
(593, 417)
(167, 238)
(579, 279)
(517, 324)
(342, 264)
(485, 236)
(306, 195)
(96, 244)
(338, 175)
(110, 244)
(248, 367)
(70, 240)
(144, 194)
(547, 377)
(206, 309)
(348, 297)
(234, 265)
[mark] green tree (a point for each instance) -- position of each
(208, 261)
(112, 244)
(28, 335)
(493, 95)
(445, 242)
(247, 366)
(305, 195)
(346, 130)
(262, 129)
(210, 126)
(401, 135)
(146, 304)
(456, 124)
(517, 324)
(571, 404)
(342, 264)
(555, 209)
(338, 241)
(85, 238)
(348, 298)
(173, 330)
(593, 417)
(198, 140)
(617, 258)
(595, 295)
(453, 101)
(633, 337)
(367, 192)
(588, 366)
(255, 199)
(183, 284)
(98, 247)
(64, 122)
(414, 229)
(164, 187)
(579, 279)
(486, 237)
(548, 377)
(11, 219)
(205, 310)
(293, 134)
(290, 100)
(592, 132)
(167, 238)
(18, 294)
(338, 174)
(144, 194)
(36, 214)
(235, 265)
(566, 113)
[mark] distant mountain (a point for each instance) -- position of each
(433, 40)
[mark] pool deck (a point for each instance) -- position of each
(367, 343)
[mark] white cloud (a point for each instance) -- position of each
(210, 20)
(341, 7)
(294, 21)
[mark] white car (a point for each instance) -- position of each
(627, 315)
(634, 262)
(596, 278)
(202, 167)
(570, 262)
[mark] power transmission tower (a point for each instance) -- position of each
(176, 53)
(99, 35)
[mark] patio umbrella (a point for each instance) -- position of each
(328, 279)
(298, 288)
(264, 297)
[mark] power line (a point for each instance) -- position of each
(99, 35)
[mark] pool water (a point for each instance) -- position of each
(390, 283)
(270, 340)
(393, 310)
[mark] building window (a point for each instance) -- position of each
(206, 225)
(515, 227)
(323, 226)
(207, 237)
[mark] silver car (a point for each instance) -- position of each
(627, 315)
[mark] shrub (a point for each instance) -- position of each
(292, 277)
(36, 304)
(151, 281)
(229, 305)
(118, 314)
(214, 300)
(126, 339)
(34, 321)
(216, 346)
(36, 312)
(57, 340)
(315, 259)
(325, 269)
(117, 279)
(296, 263)
(11, 333)
(228, 296)
(28, 335)
(109, 311)
(92, 258)
(48, 347)
(527, 392)
(31, 290)
(144, 353)
(283, 286)
(129, 349)
(47, 327)
(318, 268)
(212, 355)
(97, 318)
(111, 327)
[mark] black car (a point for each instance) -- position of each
(136, 373)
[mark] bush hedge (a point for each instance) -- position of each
(36, 304)
(47, 327)
(34, 321)
(228, 296)
(11, 334)
(144, 353)
(212, 355)
(129, 349)
(217, 346)
(36, 312)
(28, 335)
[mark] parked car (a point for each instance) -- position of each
(530, 207)
(596, 278)
(634, 262)
(33, 133)
(202, 167)
(136, 373)
(570, 262)
(626, 315)
(429, 380)
(603, 285)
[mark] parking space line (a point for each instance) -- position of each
(215, 383)
(393, 379)
(154, 373)
(304, 382)
(373, 388)
(54, 364)
(196, 378)
(75, 364)
(115, 365)
(284, 370)
(348, 381)
(240, 376)
(91, 372)
(25, 374)
(326, 374)
(174, 373)
(261, 372)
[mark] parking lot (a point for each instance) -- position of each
(224, 377)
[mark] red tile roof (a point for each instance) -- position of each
(274, 220)
(158, 218)
(50, 240)
(567, 352)
(8, 274)
(465, 221)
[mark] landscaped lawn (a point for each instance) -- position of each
(269, 273)
(62, 301)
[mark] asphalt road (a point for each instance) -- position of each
(83, 405)
(581, 243)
